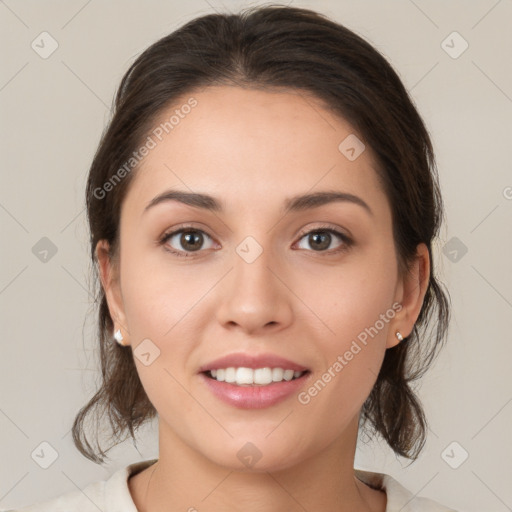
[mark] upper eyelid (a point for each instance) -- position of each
(327, 227)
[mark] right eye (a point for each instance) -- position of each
(188, 240)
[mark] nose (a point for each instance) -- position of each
(255, 297)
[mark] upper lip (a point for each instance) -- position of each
(254, 361)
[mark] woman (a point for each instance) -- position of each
(262, 208)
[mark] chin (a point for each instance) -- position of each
(255, 455)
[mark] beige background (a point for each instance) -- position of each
(53, 112)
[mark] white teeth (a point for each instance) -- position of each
(247, 376)
(288, 375)
(244, 376)
(263, 376)
(230, 375)
(277, 374)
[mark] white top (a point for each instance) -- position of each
(113, 495)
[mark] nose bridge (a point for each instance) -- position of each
(252, 266)
(254, 297)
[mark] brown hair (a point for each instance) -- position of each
(296, 49)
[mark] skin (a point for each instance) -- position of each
(252, 150)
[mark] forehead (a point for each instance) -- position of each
(250, 146)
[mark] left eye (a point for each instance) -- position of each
(320, 239)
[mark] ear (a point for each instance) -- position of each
(109, 275)
(410, 293)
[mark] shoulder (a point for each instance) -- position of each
(108, 495)
(90, 498)
(400, 499)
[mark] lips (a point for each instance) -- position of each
(253, 396)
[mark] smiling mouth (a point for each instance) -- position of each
(242, 376)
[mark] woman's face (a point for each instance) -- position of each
(254, 278)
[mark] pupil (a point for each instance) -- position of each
(186, 240)
(326, 238)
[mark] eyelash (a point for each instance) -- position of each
(347, 242)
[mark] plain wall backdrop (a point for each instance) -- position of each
(53, 109)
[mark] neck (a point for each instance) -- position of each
(182, 480)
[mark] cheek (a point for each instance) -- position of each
(162, 304)
(352, 360)
(356, 307)
(159, 305)
(158, 294)
(349, 298)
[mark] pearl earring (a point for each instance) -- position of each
(119, 337)
(398, 334)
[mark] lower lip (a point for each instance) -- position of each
(253, 397)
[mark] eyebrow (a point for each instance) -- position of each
(292, 204)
